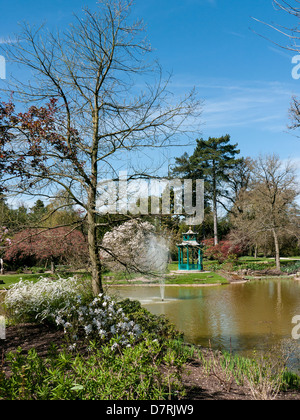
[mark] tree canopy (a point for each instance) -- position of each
(86, 111)
(56, 245)
(212, 160)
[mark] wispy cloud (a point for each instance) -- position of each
(231, 104)
(237, 34)
(281, 52)
(248, 105)
(4, 41)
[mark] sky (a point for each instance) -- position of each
(244, 80)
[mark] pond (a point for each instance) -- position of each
(237, 317)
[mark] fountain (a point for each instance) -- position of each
(157, 260)
(162, 289)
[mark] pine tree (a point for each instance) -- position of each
(215, 157)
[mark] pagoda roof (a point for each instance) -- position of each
(190, 243)
(190, 232)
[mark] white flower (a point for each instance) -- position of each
(72, 346)
(59, 320)
(88, 329)
(95, 301)
(114, 346)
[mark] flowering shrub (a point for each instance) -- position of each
(29, 301)
(100, 319)
(67, 304)
(224, 250)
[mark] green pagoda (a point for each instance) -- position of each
(190, 256)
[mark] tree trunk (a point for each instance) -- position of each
(255, 251)
(277, 252)
(93, 246)
(52, 269)
(216, 241)
(215, 215)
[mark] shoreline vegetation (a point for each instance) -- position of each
(214, 274)
(41, 368)
(40, 360)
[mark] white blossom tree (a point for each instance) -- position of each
(135, 247)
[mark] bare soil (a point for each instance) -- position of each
(197, 383)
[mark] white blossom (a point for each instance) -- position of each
(137, 247)
(60, 302)
(88, 329)
(72, 347)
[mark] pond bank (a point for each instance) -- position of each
(204, 376)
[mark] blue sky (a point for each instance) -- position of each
(244, 80)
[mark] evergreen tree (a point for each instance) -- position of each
(215, 157)
(212, 160)
(37, 211)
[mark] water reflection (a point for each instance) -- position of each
(241, 317)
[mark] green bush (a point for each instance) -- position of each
(291, 268)
(158, 326)
(105, 374)
(37, 270)
(255, 266)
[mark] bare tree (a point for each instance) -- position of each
(238, 181)
(99, 108)
(288, 39)
(268, 207)
(290, 35)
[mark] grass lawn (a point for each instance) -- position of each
(269, 259)
(10, 279)
(121, 278)
(108, 277)
(196, 278)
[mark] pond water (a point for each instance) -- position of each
(238, 317)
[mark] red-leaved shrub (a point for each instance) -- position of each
(54, 244)
(222, 251)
